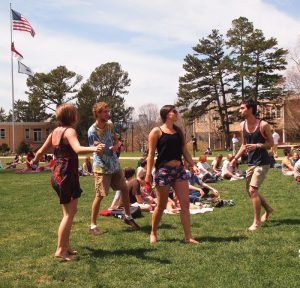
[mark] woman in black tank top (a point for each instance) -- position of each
(169, 142)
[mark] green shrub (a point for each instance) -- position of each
(23, 148)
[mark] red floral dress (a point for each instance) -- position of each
(65, 178)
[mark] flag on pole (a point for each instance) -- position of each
(24, 69)
(15, 52)
(20, 23)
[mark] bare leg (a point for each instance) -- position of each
(95, 209)
(267, 207)
(182, 193)
(125, 200)
(162, 200)
(116, 201)
(256, 204)
(64, 229)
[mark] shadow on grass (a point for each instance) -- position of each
(279, 222)
(147, 228)
(221, 239)
(138, 253)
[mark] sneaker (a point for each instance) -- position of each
(130, 222)
(95, 231)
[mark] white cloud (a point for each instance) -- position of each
(155, 32)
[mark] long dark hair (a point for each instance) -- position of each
(164, 111)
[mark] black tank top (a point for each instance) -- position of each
(258, 156)
(169, 147)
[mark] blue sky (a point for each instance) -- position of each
(148, 38)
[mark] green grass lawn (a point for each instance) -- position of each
(227, 256)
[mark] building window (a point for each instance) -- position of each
(47, 132)
(27, 134)
(2, 133)
(37, 135)
(278, 109)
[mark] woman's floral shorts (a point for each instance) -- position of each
(167, 175)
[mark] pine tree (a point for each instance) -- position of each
(107, 83)
(207, 81)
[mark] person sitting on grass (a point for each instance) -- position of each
(217, 165)
(87, 167)
(147, 192)
(200, 191)
(142, 167)
(287, 165)
(230, 172)
(134, 187)
(297, 171)
(273, 163)
(295, 157)
(13, 164)
(29, 157)
(206, 172)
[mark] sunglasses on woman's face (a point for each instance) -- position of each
(103, 112)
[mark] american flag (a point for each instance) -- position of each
(20, 23)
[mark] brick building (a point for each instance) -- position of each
(32, 133)
(283, 117)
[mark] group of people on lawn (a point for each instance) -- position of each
(167, 142)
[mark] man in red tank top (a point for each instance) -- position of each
(256, 139)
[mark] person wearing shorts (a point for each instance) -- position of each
(106, 166)
(169, 142)
(257, 139)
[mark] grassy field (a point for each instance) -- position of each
(227, 256)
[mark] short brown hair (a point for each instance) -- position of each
(202, 158)
(66, 114)
(98, 107)
(229, 157)
(129, 172)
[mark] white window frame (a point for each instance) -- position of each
(25, 136)
(2, 133)
(37, 135)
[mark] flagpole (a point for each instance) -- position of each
(12, 84)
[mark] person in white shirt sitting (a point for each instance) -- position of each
(206, 172)
(229, 172)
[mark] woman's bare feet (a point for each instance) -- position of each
(254, 227)
(153, 238)
(266, 215)
(65, 256)
(72, 252)
(191, 241)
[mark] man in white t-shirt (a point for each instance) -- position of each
(235, 142)
(276, 138)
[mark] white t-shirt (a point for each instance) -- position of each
(203, 167)
(276, 137)
(235, 140)
(226, 167)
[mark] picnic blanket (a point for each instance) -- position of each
(39, 169)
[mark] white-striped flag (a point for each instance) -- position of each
(20, 23)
